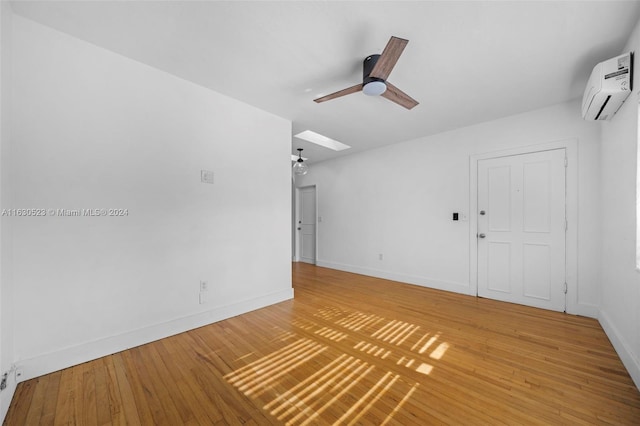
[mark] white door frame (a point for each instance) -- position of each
(295, 222)
(571, 193)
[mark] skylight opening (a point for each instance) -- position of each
(321, 140)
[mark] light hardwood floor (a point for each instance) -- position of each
(352, 349)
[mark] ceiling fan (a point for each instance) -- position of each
(375, 71)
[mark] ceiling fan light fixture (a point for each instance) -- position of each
(374, 88)
(375, 72)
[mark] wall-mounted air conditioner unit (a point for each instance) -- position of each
(608, 87)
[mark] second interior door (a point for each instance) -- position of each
(307, 224)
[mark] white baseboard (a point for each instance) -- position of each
(393, 276)
(631, 363)
(58, 360)
(584, 310)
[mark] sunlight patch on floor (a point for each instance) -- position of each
(424, 368)
(374, 394)
(400, 404)
(341, 371)
(331, 334)
(304, 324)
(430, 342)
(439, 352)
(357, 320)
(340, 387)
(372, 349)
(395, 332)
(261, 373)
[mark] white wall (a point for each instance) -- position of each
(6, 296)
(94, 130)
(399, 201)
(620, 306)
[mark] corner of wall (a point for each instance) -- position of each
(7, 393)
(631, 363)
(619, 310)
(6, 305)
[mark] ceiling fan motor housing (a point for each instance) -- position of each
(371, 85)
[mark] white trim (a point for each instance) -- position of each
(394, 276)
(74, 355)
(574, 306)
(622, 348)
(637, 185)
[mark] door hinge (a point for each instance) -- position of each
(566, 288)
(566, 161)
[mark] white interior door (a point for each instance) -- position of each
(521, 229)
(306, 226)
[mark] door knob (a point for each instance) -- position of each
(481, 235)
(482, 212)
(299, 229)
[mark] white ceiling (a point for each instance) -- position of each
(466, 61)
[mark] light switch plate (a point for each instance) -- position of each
(206, 176)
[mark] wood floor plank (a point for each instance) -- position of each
(156, 395)
(86, 397)
(128, 373)
(351, 349)
(133, 415)
(64, 407)
(37, 402)
(103, 404)
(193, 396)
(113, 393)
(51, 399)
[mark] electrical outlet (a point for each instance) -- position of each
(204, 286)
(380, 256)
(203, 297)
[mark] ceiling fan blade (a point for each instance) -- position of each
(388, 58)
(398, 96)
(339, 93)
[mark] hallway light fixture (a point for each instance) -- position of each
(299, 167)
